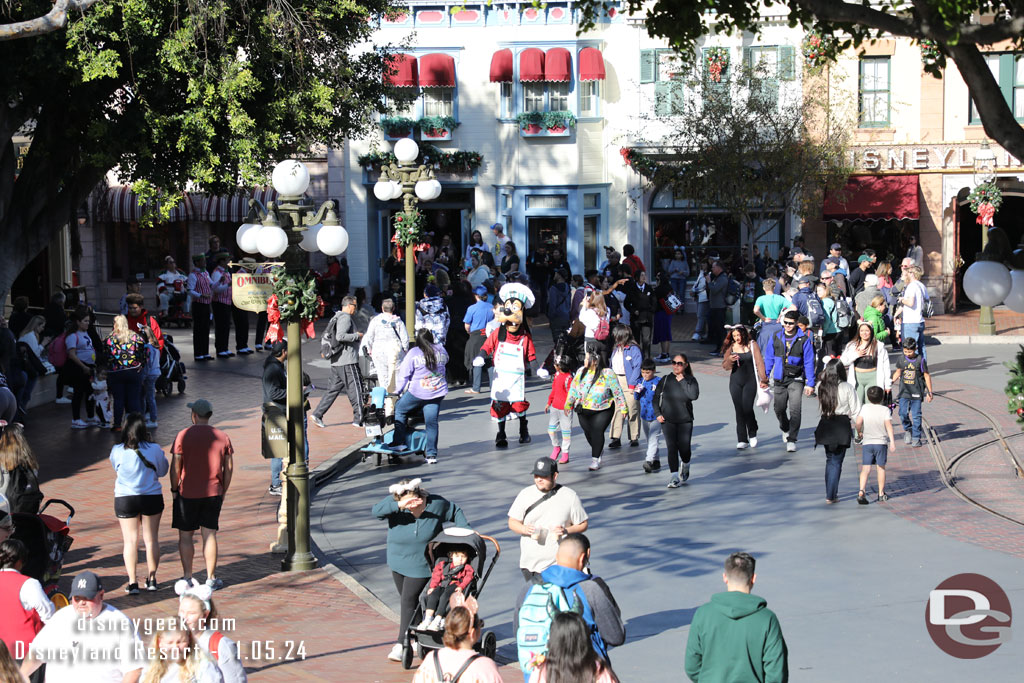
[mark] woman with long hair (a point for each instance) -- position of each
(571, 657)
(594, 312)
(421, 376)
(461, 631)
(18, 464)
(510, 260)
(595, 394)
(177, 657)
(197, 611)
(138, 497)
(125, 359)
(626, 360)
(838, 403)
(673, 408)
(866, 362)
(79, 368)
(741, 356)
(476, 241)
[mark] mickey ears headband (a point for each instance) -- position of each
(736, 327)
(459, 599)
(399, 489)
(194, 589)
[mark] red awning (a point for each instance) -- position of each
(591, 64)
(557, 65)
(235, 208)
(531, 65)
(405, 71)
(125, 206)
(501, 66)
(875, 197)
(437, 71)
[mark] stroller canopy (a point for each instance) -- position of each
(440, 545)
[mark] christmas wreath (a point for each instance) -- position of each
(294, 298)
(817, 50)
(717, 62)
(408, 227)
(985, 200)
(1015, 387)
(930, 53)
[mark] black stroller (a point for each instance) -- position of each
(437, 548)
(47, 539)
(172, 369)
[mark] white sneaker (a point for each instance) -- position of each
(79, 424)
(684, 471)
(595, 464)
(785, 437)
(674, 482)
(63, 400)
(424, 625)
(753, 442)
(742, 445)
(790, 447)
(695, 337)
(396, 653)
(437, 623)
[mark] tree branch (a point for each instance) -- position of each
(54, 20)
(995, 115)
(846, 13)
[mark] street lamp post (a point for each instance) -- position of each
(412, 183)
(291, 227)
(984, 172)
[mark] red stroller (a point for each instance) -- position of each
(47, 539)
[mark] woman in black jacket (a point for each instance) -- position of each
(673, 408)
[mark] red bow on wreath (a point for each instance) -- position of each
(400, 250)
(274, 320)
(986, 213)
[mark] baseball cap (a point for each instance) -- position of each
(545, 467)
(276, 348)
(836, 246)
(86, 585)
(201, 407)
(497, 226)
(480, 290)
(863, 258)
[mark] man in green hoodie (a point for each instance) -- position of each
(735, 638)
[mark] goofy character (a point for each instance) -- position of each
(511, 347)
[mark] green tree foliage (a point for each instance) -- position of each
(953, 26)
(204, 93)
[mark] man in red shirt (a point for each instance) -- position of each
(201, 468)
(139, 317)
(632, 260)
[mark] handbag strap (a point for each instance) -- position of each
(546, 496)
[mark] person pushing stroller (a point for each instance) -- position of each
(452, 574)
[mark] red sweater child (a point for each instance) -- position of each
(559, 390)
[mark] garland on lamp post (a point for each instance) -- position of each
(985, 200)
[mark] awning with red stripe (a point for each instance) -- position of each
(871, 197)
(235, 208)
(437, 71)
(125, 207)
(558, 65)
(405, 71)
(501, 66)
(531, 65)
(591, 64)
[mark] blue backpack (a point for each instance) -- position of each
(542, 603)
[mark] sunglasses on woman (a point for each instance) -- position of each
(679, 362)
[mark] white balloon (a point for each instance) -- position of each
(396, 189)
(406, 150)
(309, 235)
(332, 239)
(290, 178)
(987, 283)
(382, 190)
(424, 190)
(1015, 299)
(272, 241)
(245, 237)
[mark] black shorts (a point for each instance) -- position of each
(188, 514)
(129, 507)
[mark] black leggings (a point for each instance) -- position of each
(677, 442)
(594, 424)
(409, 590)
(439, 598)
(744, 390)
(76, 378)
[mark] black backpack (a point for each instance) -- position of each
(22, 491)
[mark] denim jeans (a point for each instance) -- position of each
(431, 407)
(277, 464)
(149, 396)
(478, 374)
(910, 415)
(703, 308)
(126, 388)
(833, 468)
(915, 331)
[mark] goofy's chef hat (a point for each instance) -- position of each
(517, 290)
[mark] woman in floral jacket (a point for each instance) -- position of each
(594, 394)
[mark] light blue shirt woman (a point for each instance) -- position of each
(134, 476)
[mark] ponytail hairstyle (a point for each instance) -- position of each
(459, 626)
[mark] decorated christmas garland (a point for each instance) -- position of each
(296, 294)
(930, 53)
(639, 162)
(408, 227)
(985, 200)
(1015, 387)
(717, 63)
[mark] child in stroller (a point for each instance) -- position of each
(172, 369)
(451, 574)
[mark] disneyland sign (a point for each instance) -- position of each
(935, 158)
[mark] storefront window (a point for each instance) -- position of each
(590, 242)
(558, 94)
(549, 231)
(437, 102)
(132, 250)
(533, 97)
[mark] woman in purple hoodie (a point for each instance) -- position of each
(421, 378)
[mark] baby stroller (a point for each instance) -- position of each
(47, 539)
(172, 369)
(437, 548)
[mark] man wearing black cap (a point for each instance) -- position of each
(541, 514)
(835, 252)
(90, 641)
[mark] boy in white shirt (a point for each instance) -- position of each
(874, 429)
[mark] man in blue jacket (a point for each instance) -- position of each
(789, 362)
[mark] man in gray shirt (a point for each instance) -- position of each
(340, 346)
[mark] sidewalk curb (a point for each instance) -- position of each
(342, 461)
(978, 339)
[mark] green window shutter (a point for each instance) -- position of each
(748, 57)
(1006, 78)
(787, 63)
(678, 97)
(648, 66)
(663, 95)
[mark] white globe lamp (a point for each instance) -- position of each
(424, 190)
(987, 283)
(272, 241)
(1015, 299)
(309, 236)
(383, 190)
(406, 150)
(396, 189)
(332, 240)
(290, 178)
(245, 237)
(436, 185)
